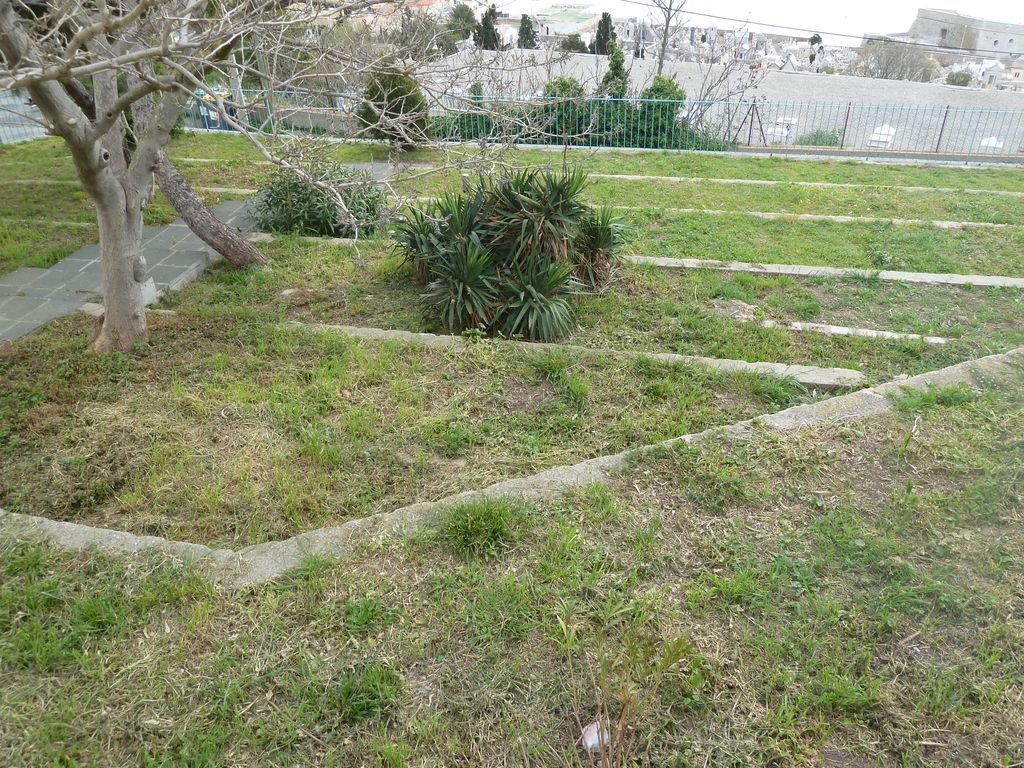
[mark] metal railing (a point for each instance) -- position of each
(917, 131)
(759, 125)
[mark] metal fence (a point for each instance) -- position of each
(923, 132)
(19, 119)
(879, 130)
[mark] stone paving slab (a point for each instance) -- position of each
(32, 296)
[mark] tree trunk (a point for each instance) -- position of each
(664, 46)
(124, 274)
(227, 241)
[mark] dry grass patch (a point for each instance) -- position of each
(234, 431)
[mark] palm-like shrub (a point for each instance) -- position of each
(508, 254)
(288, 203)
(465, 287)
(535, 301)
(600, 235)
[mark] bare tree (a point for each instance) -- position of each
(670, 24)
(724, 82)
(112, 79)
(893, 60)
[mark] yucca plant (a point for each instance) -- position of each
(601, 232)
(417, 235)
(464, 288)
(507, 255)
(534, 211)
(535, 302)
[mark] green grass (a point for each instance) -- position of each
(788, 198)
(40, 245)
(655, 163)
(843, 594)
(825, 243)
(232, 429)
(647, 309)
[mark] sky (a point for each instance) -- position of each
(852, 17)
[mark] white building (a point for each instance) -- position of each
(950, 29)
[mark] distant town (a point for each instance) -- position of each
(940, 46)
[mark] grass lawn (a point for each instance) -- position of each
(235, 431)
(654, 163)
(912, 248)
(646, 309)
(847, 595)
(655, 232)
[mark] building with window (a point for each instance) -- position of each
(953, 30)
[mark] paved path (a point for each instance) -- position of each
(30, 297)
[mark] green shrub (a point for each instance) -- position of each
(394, 108)
(535, 301)
(289, 203)
(600, 234)
(507, 255)
(962, 78)
(820, 137)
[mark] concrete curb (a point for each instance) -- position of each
(808, 375)
(845, 330)
(929, 278)
(264, 562)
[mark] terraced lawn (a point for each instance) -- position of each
(846, 595)
(232, 430)
(980, 251)
(646, 309)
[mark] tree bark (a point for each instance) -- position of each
(228, 242)
(119, 215)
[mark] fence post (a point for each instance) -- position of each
(846, 124)
(942, 129)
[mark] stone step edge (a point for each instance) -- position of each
(808, 375)
(801, 270)
(261, 563)
(846, 330)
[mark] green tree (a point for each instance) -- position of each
(527, 33)
(461, 22)
(615, 82)
(961, 78)
(605, 35)
(566, 114)
(394, 108)
(564, 88)
(486, 34)
(815, 40)
(573, 44)
(659, 111)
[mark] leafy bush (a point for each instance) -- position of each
(288, 203)
(961, 78)
(820, 137)
(507, 255)
(394, 108)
